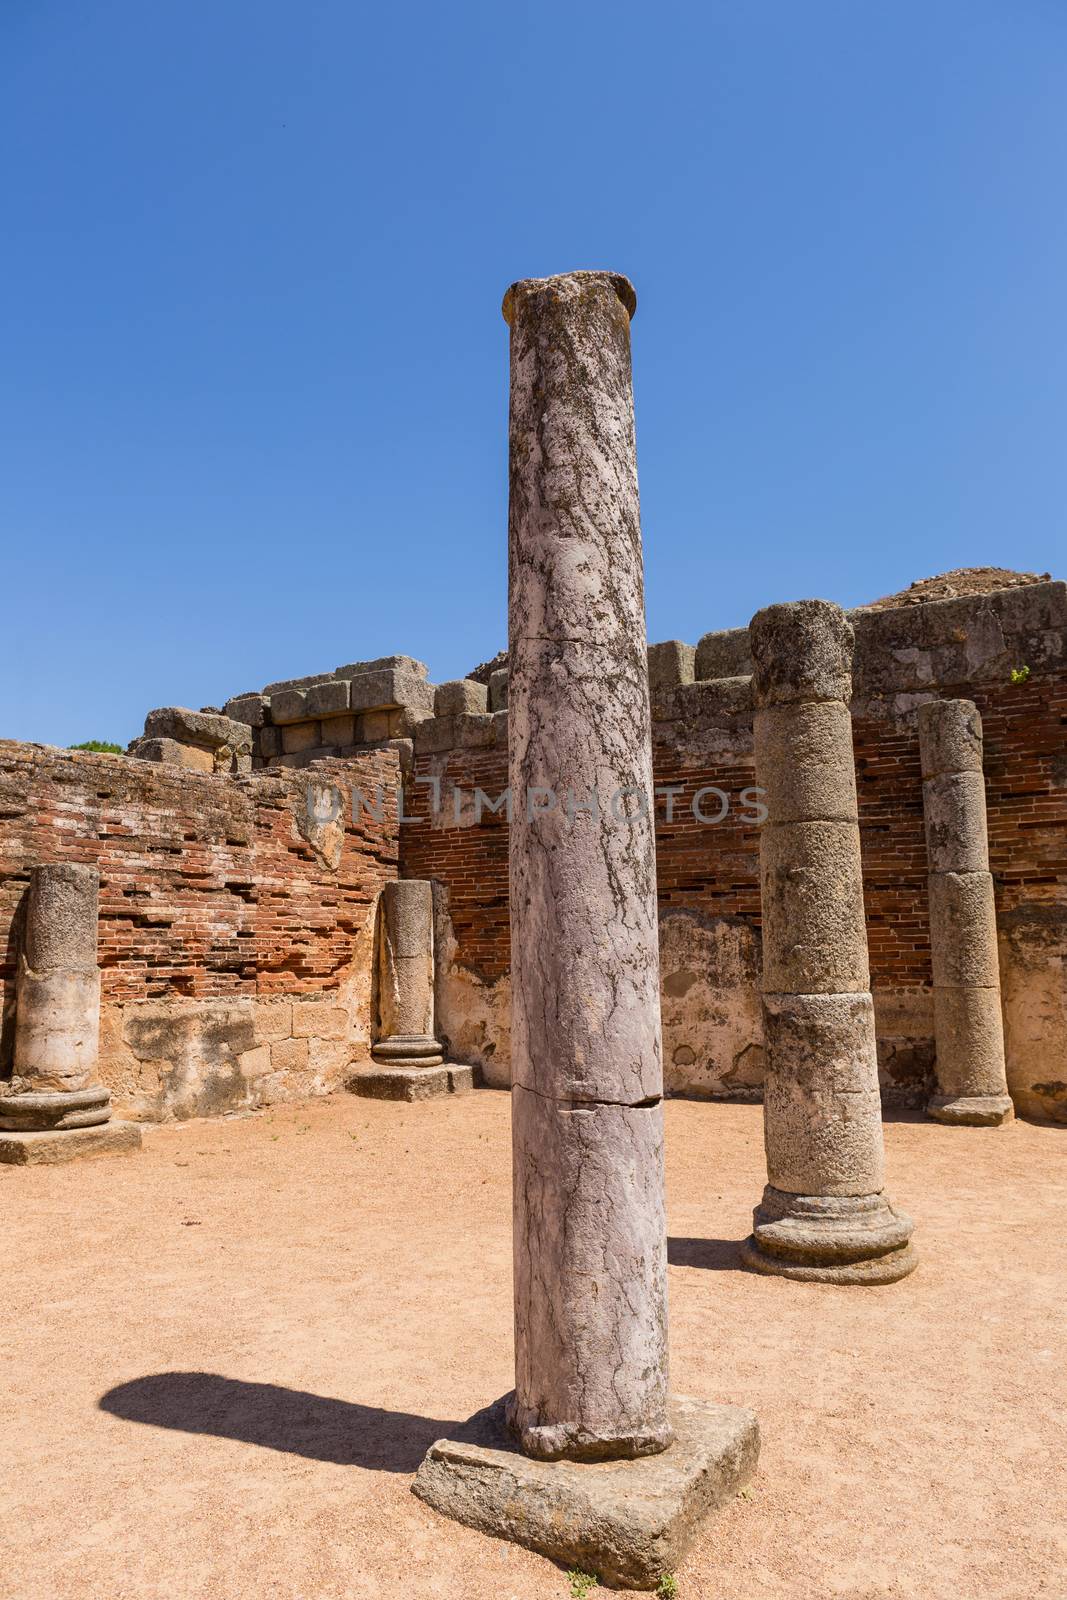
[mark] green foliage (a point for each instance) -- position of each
(667, 1587)
(1019, 674)
(582, 1583)
(100, 746)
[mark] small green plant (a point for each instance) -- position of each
(582, 1583)
(745, 1493)
(1019, 674)
(667, 1587)
(100, 747)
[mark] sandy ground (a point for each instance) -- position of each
(226, 1356)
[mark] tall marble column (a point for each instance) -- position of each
(587, 1118)
(405, 976)
(824, 1213)
(55, 1106)
(554, 1464)
(971, 1082)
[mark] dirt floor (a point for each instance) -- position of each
(226, 1356)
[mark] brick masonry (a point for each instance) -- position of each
(237, 928)
(235, 933)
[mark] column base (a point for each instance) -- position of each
(50, 1147)
(626, 1522)
(55, 1109)
(972, 1110)
(399, 1082)
(829, 1238)
(570, 1442)
(408, 1050)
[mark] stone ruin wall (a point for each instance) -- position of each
(709, 876)
(237, 956)
(236, 933)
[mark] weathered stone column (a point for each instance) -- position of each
(587, 1119)
(586, 1460)
(55, 1107)
(971, 1082)
(824, 1214)
(405, 976)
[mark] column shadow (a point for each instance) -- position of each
(713, 1255)
(266, 1414)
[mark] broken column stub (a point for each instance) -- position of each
(824, 1214)
(406, 976)
(587, 1116)
(54, 1092)
(971, 1080)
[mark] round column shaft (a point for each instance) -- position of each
(405, 976)
(57, 1017)
(587, 1116)
(824, 1214)
(972, 1085)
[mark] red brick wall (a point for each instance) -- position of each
(207, 887)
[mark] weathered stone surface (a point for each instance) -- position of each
(955, 818)
(57, 1019)
(629, 1524)
(460, 697)
(814, 931)
(724, 654)
(498, 690)
(56, 1109)
(1033, 945)
(328, 699)
(970, 1041)
(271, 689)
(822, 1110)
(669, 664)
(475, 732)
(963, 930)
(405, 664)
(288, 705)
(578, 731)
(971, 1079)
(405, 975)
(575, 572)
(411, 1083)
(590, 1278)
(950, 737)
(389, 687)
(435, 734)
(198, 728)
(590, 1232)
(298, 736)
(824, 1214)
(193, 757)
(860, 1239)
(801, 651)
(710, 1006)
(804, 758)
(50, 1148)
(252, 709)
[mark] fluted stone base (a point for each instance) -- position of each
(55, 1109)
(50, 1147)
(408, 1050)
(972, 1110)
(829, 1238)
(628, 1522)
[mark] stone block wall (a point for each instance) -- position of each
(236, 917)
(709, 875)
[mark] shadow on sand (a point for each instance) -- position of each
(714, 1255)
(266, 1414)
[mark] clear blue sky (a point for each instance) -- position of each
(254, 369)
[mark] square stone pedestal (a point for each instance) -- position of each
(410, 1083)
(627, 1522)
(54, 1145)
